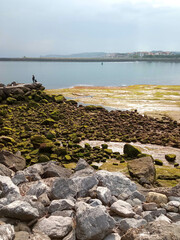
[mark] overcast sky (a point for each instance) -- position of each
(41, 27)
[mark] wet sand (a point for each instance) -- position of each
(157, 152)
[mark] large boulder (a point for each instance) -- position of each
(142, 168)
(19, 209)
(84, 184)
(52, 169)
(116, 182)
(92, 223)
(63, 188)
(12, 161)
(56, 227)
(131, 151)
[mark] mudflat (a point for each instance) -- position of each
(152, 100)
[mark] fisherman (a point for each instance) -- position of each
(33, 79)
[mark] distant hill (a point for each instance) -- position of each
(78, 55)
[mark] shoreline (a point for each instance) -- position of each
(32, 59)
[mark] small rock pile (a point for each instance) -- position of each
(16, 90)
(46, 201)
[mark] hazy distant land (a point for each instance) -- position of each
(84, 59)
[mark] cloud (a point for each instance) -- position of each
(40, 27)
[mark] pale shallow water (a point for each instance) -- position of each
(157, 152)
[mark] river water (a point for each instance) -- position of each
(55, 75)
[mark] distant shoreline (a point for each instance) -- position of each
(91, 59)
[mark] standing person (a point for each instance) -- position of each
(33, 78)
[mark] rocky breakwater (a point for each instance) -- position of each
(46, 201)
(17, 91)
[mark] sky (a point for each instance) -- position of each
(34, 28)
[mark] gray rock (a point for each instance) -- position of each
(134, 202)
(19, 178)
(142, 168)
(52, 169)
(7, 186)
(113, 236)
(162, 217)
(150, 216)
(64, 213)
(6, 232)
(138, 195)
(172, 206)
(4, 171)
(84, 184)
(20, 210)
(60, 205)
(56, 227)
(34, 172)
(83, 173)
(95, 202)
(175, 217)
(37, 189)
(22, 235)
(116, 182)
(149, 206)
(44, 199)
(104, 194)
(63, 188)
(12, 161)
(171, 198)
(122, 208)
(128, 223)
(93, 223)
(82, 164)
(174, 203)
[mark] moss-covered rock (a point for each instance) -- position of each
(104, 146)
(6, 140)
(43, 158)
(48, 121)
(11, 100)
(46, 147)
(67, 157)
(51, 135)
(36, 140)
(131, 151)
(108, 151)
(59, 98)
(170, 157)
(158, 162)
(167, 173)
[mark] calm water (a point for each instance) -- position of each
(62, 75)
